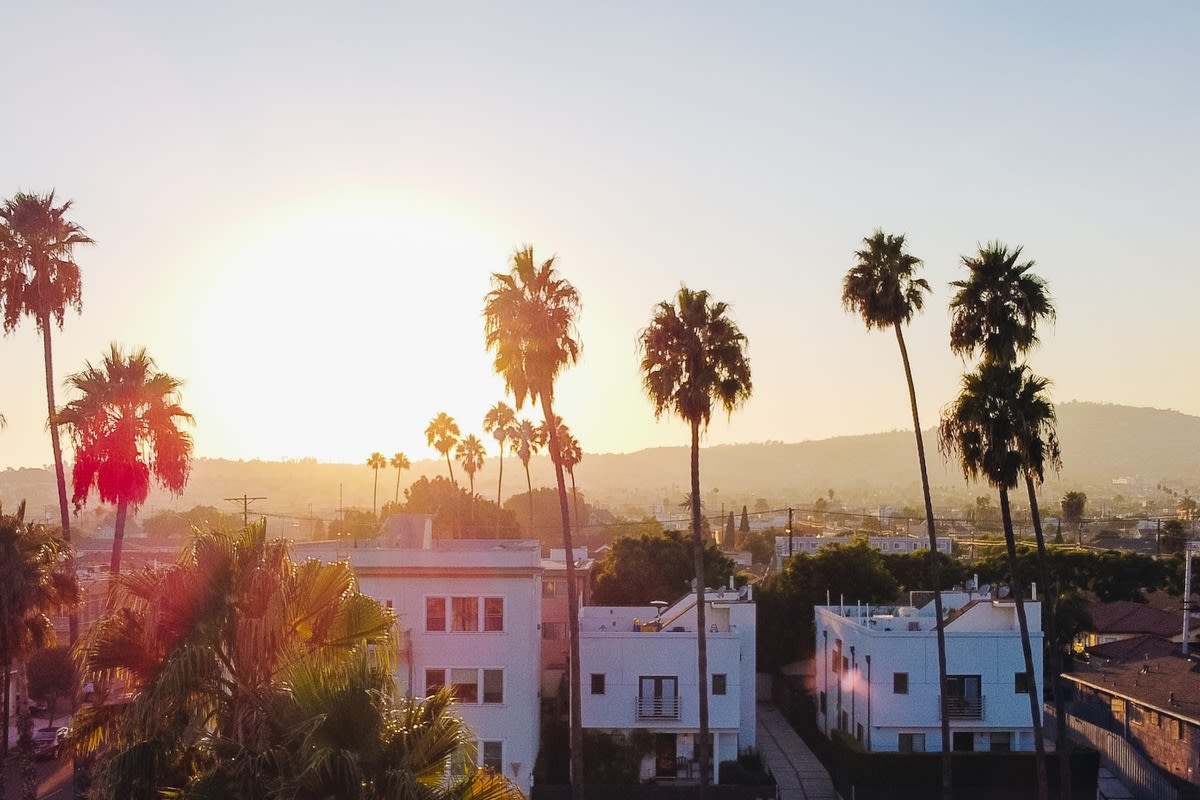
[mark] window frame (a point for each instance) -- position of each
(430, 602)
(899, 683)
(488, 619)
(468, 620)
(599, 683)
(499, 757)
(720, 679)
(913, 737)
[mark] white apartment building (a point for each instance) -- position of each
(469, 614)
(786, 546)
(877, 674)
(639, 673)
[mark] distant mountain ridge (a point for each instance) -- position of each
(1100, 442)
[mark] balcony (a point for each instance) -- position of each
(964, 708)
(653, 708)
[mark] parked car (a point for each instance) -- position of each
(46, 742)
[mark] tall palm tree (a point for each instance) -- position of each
(470, 454)
(39, 278)
(997, 308)
(693, 356)
(527, 439)
(376, 461)
(883, 288)
(125, 427)
(984, 429)
(400, 462)
(442, 434)
(996, 312)
(499, 422)
(34, 584)
(572, 454)
(529, 323)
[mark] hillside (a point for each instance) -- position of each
(1100, 442)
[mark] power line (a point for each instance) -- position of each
(245, 500)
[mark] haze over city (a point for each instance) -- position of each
(297, 209)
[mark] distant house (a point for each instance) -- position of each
(877, 674)
(1143, 690)
(639, 674)
(556, 643)
(786, 546)
(1122, 619)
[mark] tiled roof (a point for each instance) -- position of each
(1122, 616)
(1138, 647)
(1169, 683)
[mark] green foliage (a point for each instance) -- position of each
(450, 505)
(911, 570)
(615, 759)
(744, 524)
(51, 676)
(748, 770)
(174, 524)
(1073, 504)
(547, 516)
(651, 567)
(760, 545)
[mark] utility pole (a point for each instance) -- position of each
(789, 531)
(245, 500)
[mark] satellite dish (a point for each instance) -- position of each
(1004, 590)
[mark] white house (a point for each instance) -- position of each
(877, 674)
(786, 546)
(639, 673)
(469, 613)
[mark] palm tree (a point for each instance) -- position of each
(401, 463)
(376, 461)
(499, 422)
(529, 322)
(883, 288)
(39, 278)
(984, 428)
(996, 310)
(34, 584)
(693, 355)
(442, 434)
(125, 429)
(572, 454)
(527, 439)
(470, 454)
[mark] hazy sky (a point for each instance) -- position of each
(297, 207)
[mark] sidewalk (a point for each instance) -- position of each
(798, 773)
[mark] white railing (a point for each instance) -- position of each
(964, 707)
(657, 708)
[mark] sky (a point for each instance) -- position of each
(297, 207)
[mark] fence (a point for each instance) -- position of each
(1134, 769)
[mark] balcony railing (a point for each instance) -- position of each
(658, 708)
(964, 707)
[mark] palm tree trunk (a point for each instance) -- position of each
(1035, 703)
(1050, 626)
(934, 574)
(114, 568)
(396, 499)
(576, 723)
(60, 476)
(450, 467)
(575, 503)
(375, 496)
(703, 748)
(529, 494)
(499, 488)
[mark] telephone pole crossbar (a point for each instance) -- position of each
(245, 500)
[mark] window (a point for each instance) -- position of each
(465, 684)
(912, 743)
(1135, 714)
(1000, 741)
(549, 588)
(719, 682)
(434, 679)
(1175, 728)
(465, 611)
(492, 756)
(963, 741)
(899, 683)
(435, 613)
(493, 686)
(597, 683)
(1021, 682)
(554, 630)
(493, 613)
(845, 663)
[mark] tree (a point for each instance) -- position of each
(442, 434)
(883, 288)
(640, 569)
(730, 528)
(983, 428)
(760, 545)
(744, 525)
(400, 463)
(250, 674)
(529, 322)
(449, 504)
(693, 356)
(997, 308)
(526, 441)
(1073, 504)
(470, 454)
(499, 422)
(125, 429)
(572, 454)
(39, 278)
(376, 461)
(51, 676)
(34, 583)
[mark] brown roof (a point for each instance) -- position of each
(1138, 647)
(1168, 683)
(1122, 616)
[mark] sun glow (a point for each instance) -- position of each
(342, 331)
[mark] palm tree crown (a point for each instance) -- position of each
(376, 461)
(882, 286)
(470, 454)
(125, 428)
(39, 277)
(997, 308)
(442, 434)
(400, 463)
